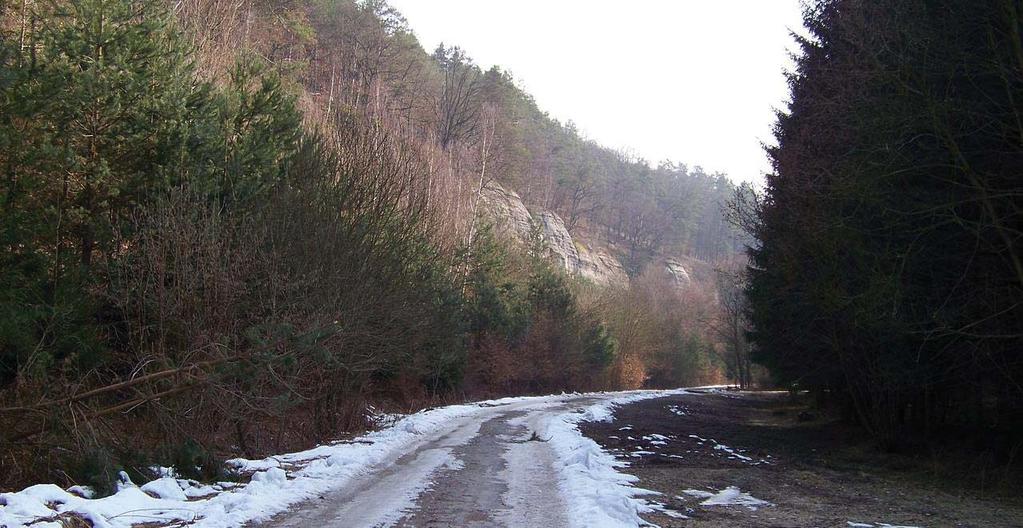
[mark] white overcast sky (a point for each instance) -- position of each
(695, 81)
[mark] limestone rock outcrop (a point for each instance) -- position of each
(594, 264)
(506, 210)
(677, 273)
(511, 218)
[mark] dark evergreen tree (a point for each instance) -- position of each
(887, 271)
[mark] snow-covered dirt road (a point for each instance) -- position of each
(509, 462)
(490, 470)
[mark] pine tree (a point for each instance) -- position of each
(122, 89)
(888, 271)
(96, 110)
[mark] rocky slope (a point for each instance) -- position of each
(677, 272)
(512, 218)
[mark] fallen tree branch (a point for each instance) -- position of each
(116, 408)
(121, 385)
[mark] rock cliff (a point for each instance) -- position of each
(594, 264)
(512, 218)
(677, 273)
(505, 209)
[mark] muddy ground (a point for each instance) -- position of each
(815, 473)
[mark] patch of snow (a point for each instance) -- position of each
(529, 472)
(730, 496)
(193, 489)
(661, 508)
(700, 494)
(161, 471)
(165, 488)
(656, 439)
(381, 419)
(128, 506)
(735, 454)
(597, 495)
(124, 481)
(388, 500)
(732, 453)
(678, 410)
(84, 492)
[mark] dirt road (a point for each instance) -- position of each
(493, 472)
